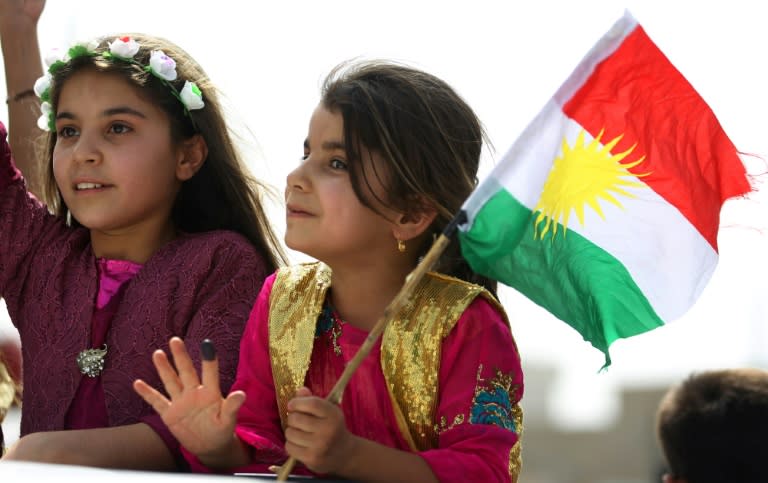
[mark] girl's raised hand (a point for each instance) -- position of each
(16, 11)
(197, 414)
(316, 433)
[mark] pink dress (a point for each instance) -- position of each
(89, 408)
(477, 431)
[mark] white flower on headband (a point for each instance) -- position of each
(162, 66)
(55, 55)
(124, 47)
(44, 121)
(61, 55)
(42, 84)
(90, 45)
(191, 96)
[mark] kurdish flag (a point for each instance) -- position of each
(605, 211)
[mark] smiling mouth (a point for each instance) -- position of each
(89, 186)
(296, 211)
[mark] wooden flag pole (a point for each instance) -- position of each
(411, 281)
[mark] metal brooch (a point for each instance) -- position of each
(91, 361)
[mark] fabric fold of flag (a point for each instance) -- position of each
(606, 209)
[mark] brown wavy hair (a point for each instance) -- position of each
(429, 136)
(222, 195)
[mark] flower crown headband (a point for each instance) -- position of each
(122, 49)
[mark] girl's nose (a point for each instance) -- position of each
(87, 149)
(297, 179)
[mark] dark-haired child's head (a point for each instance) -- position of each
(428, 137)
(712, 427)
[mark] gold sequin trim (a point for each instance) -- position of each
(515, 459)
(411, 344)
(411, 350)
(294, 305)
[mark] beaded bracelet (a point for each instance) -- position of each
(21, 95)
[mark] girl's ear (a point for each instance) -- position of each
(192, 155)
(410, 225)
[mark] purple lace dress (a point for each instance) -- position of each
(197, 286)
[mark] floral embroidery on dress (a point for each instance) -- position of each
(324, 321)
(329, 324)
(444, 426)
(491, 404)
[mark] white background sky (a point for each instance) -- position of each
(507, 59)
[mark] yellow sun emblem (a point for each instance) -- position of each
(580, 176)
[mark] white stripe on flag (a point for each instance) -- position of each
(525, 167)
(648, 232)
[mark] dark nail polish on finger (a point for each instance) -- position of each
(207, 350)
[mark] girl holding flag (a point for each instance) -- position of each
(391, 154)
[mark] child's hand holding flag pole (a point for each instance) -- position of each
(606, 209)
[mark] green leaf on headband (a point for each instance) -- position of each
(56, 66)
(78, 51)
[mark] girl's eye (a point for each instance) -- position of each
(338, 164)
(67, 132)
(119, 128)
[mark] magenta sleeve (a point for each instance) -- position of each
(8, 172)
(480, 386)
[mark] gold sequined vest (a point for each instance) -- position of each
(410, 348)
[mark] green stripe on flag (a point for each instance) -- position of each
(574, 279)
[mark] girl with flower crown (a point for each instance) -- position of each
(152, 229)
(391, 154)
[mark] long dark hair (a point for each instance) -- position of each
(428, 135)
(221, 195)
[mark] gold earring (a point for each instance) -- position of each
(400, 246)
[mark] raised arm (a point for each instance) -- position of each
(23, 66)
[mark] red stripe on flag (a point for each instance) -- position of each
(637, 92)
